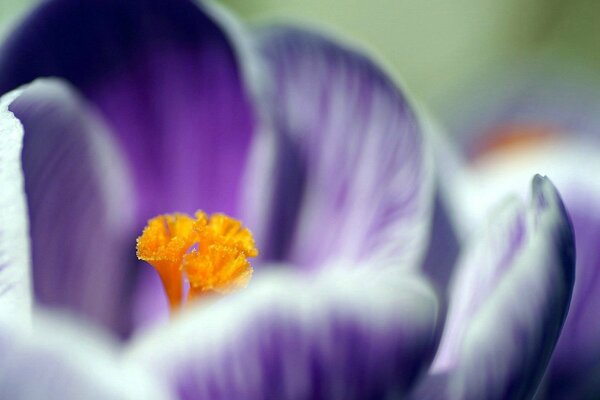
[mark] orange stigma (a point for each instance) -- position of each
(212, 251)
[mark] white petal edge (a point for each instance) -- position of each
(63, 359)
(15, 256)
(206, 330)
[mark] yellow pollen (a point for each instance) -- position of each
(220, 270)
(163, 243)
(217, 263)
(226, 231)
(220, 264)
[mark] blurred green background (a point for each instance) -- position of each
(434, 47)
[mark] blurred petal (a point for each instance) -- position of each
(15, 260)
(352, 178)
(167, 80)
(536, 96)
(444, 246)
(61, 360)
(573, 164)
(509, 301)
(78, 202)
(480, 270)
(341, 335)
(574, 371)
(445, 239)
(431, 387)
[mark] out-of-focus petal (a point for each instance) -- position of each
(15, 260)
(509, 300)
(480, 270)
(574, 370)
(353, 177)
(573, 164)
(431, 387)
(166, 78)
(78, 202)
(444, 246)
(444, 241)
(538, 95)
(340, 335)
(61, 360)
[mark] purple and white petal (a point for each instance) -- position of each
(573, 163)
(509, 300)
(168, 81)
(353, 177)
(62, 360)
(78, 202)
(480, 269)
(15, 260)
(342, 334)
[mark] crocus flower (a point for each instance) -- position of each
(156, 106)
(534, 119)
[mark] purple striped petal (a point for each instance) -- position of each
(574, 371)
(564, 103)
(15, 260)
(167, 80)
(352, 177)
(341, 335)
(61, 360)
(78, 202)
(509, 300)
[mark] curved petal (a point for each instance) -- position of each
(575, 364)
(15, 260)
(167, 80)
(574, 370)
(341, 335)
(353, 179)
(509, 301)
(78, 202)
(61, 360)
(532, 120)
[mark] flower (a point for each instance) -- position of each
(541, 121)
(156, 105)
(494, 344)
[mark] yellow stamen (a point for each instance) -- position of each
(219, 264)
(220, 270)
(163, 243)
(226, 231)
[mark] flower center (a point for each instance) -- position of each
(212, 251)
